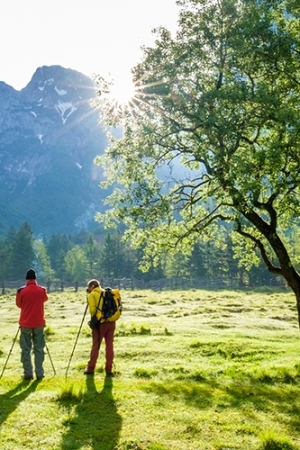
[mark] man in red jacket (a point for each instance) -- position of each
(30, 299)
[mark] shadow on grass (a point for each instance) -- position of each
(11, 399)
(250, 396)
(92, 420)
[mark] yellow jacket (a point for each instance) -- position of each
(95, 306)
(93, 300)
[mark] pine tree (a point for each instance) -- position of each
(23, 256)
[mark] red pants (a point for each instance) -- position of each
(106, 330)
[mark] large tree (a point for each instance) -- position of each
(219, 106)
(76, 264)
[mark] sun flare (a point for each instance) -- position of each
(122, 90)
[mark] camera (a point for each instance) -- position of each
(94, 323)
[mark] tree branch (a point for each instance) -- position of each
(271, 268)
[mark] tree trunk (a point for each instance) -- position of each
(286, 269)
(298, 304)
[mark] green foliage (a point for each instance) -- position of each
(23, 255)
(76, 264)
(43, 265)
(110, 256)
(57, 248)
(113, 256)
(211, 137)
(92, 252)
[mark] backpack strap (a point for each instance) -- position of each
(101, 296)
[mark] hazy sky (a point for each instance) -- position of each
(91, 36)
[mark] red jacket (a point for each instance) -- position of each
(30, 299)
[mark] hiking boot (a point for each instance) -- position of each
(109, 374)
(88, 372)
(27, 377)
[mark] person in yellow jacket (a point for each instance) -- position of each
(105, 330)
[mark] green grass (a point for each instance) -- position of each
(194, 370)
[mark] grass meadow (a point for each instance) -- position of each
(194, 370)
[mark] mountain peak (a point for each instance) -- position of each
(58, 81)
(49, 137)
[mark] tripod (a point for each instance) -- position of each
(76, 340)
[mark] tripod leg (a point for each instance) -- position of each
(76, 340)
(15, 338)
(54, 371)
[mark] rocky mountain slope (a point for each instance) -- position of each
(49, 136)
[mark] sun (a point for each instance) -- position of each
(122, 89)
(117, 96)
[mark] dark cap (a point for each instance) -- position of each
(30, 274)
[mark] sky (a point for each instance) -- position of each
(91, 36)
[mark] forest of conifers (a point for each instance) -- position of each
(91, 255)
